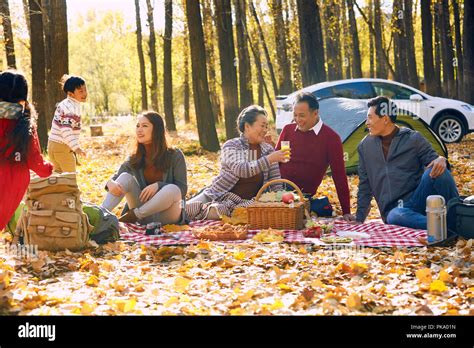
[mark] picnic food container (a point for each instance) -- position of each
(223, 232)
(436, 218)
(263, 215)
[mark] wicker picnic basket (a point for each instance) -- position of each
(278, 215)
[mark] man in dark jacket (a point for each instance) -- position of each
(398, 167)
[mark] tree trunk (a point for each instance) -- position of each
(382, 52)
(245, 74)
(356, 60)
(332, 38)
(141, 57)
(411, 59)
(371, 39)
(311, 41)
(255, 52)
(202, 102)
(56, 51)
(152, 53)
(437, 52)
(187, 117)
(265, 47)
(294, 49)
(38, 70)
(8, 34)
(427, 34)
(210, 58)
(447, 56)
(459, 57)
(346, 41)
(167, 72)
(284, 72)
(468, 49)
(27, 16)
(380, 67)
(400, 43)
(225, 36)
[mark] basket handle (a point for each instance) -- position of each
(275, 181)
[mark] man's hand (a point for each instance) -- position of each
(438, 166)
(148, 192)
(349, 218)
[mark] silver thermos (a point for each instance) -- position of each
(436, 218)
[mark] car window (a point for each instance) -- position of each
(392, 91)
(324, 93)
(354, 90)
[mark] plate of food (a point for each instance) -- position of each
(336, 240)
(221, 232)
(315, 229)
(353, 234)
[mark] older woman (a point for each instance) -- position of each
(247, 163)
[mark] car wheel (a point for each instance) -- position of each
(449, 128)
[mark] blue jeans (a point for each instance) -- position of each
(413, 213)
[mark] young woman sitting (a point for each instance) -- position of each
(153, 179)
(247, 163)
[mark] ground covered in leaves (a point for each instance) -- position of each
(250, 278)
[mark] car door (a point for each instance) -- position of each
(401, 96)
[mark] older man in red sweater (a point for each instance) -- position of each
(314, 147)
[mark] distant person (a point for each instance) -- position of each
(152, 180)
(19, 146)
(63, 144)
(399, 168)
(247, 163)
(314, 148)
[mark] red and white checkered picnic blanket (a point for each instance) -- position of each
(381, 235)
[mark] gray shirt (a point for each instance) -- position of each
(393, 180)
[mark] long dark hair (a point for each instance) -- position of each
(14, 89)
(160, 151)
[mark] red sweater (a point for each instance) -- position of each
(15, 177)
(311, 155)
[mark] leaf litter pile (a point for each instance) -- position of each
(252, 278)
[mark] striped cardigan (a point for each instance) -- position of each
(66, 126)
(237, 162)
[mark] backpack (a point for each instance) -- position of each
(460, 214)
(52, 217)
(106, 224)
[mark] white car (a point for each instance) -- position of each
(450, 119)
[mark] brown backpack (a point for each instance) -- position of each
(53, 218)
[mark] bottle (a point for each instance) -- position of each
(153, 229)
(436, 218)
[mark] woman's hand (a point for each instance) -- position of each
(115, 188)
(278, 156)
(148, 192)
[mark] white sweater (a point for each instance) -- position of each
(66, 126)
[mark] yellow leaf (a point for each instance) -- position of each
(246, 297)
(284, 287)
(237, 311)
(318, 284)
(171, 300)
(424, 275)
(93, 281)
(126, 306)
(180, 284)
(359, 268)
(303, 250)
(354, 302)
(438, 286)
(276, 305)
(445, 277)
(87, 309)
(171, 228)
(239, 255)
